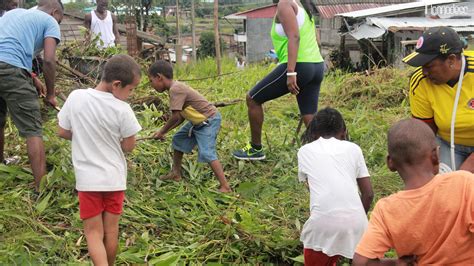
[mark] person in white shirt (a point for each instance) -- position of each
(102, 126)
(103, 23)
(334, 169)
(240, 62)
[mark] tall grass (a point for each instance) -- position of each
(189, 222)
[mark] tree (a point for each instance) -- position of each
(207, 46)
(138, 8)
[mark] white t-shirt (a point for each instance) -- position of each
(98, 122)
(338, 219)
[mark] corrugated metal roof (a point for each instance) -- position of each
(366, 31)
(417, 23)
(395, 9)
(261, 12)
(464, 29)
(376, 27)
(350, 2)
(330, 11)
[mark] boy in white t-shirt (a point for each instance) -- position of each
(334, 169)
(102, 126)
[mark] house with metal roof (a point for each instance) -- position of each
(255, 38)
(362, 31)
(389, 33)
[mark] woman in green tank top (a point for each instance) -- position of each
(300, 70)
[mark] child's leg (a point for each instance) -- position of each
(175, 173)
(177, 161)
(219, 172)
(182, 143)
(94, 231)
(111, 232)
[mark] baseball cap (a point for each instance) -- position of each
(434, 42)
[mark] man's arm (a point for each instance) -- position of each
(64, 133)
(367, 194)
(49, 69)
(128, 144)
(468, 164)
(88, 21)
(88, 25)
(115, 29)
(38, 85)
(175, 120)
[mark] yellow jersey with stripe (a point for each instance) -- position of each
(429, 101)
(191, 104)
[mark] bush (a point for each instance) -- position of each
(208, 46)
(161, 27)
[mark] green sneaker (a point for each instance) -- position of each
(249, 154)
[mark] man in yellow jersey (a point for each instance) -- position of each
(433, 88)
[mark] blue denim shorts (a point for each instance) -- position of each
(204, 136)
(461, 152)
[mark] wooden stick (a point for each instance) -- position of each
(145, 138)
(224, 104)
(298, 129)
(75, 72)
(61, 96)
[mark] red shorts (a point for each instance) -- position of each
(92, 203)
(313, 258)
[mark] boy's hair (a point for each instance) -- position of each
(4, 4)
(409, 141)
(121, 67)
(49, 4)
(326, 122)
(161, 67)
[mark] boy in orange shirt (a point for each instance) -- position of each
(431, 221)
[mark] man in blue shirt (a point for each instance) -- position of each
(24, 34)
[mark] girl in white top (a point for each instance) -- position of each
(334, 169)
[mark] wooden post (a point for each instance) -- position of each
(179, 53)
(216, 36)
(178, 31)
(193, 29)
(131, 27)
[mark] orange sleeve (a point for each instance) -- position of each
(376, 240)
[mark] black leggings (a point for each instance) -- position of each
(310, 76)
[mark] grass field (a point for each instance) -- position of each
(189, 222)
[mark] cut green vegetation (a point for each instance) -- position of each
(189, 222)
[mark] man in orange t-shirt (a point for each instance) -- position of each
(431, 221)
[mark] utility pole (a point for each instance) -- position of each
(177, 22)
(216, 36)
(178, 48)
(193, 29)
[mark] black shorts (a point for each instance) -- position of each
(310, 76)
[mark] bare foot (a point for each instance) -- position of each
(171, 176)
(225, 189)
